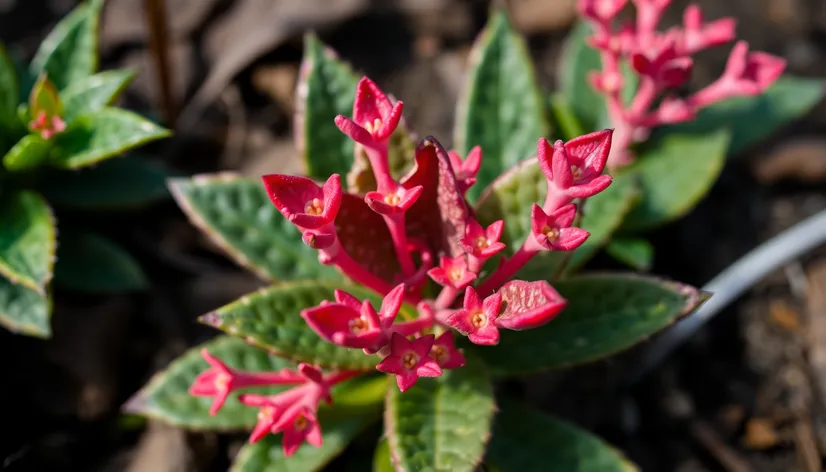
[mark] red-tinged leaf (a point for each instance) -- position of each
(442, 196)
(528, 304)
(364, 235)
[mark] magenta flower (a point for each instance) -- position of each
(600, 10)
(302, 201)
(374, 116)
(575, 167)
(746, 73)
(477, 318)
(481, 242)
(452, 272)
(47, 125)
(409, 360)
(554, 232)
(528, 304)
(699, 35)
(466, 170)
(392, 203)
(298, 424)
(444, 352)
(268, 413)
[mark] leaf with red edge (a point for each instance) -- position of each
(364, 235)
(528, 304)
(442, 196)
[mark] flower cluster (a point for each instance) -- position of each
(407, 233)
(663, 62)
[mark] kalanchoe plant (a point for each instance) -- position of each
(56, 118)
(401, 287)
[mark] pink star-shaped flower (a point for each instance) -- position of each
(375, 117)
(409, 360)
(481, 242)
(302, 201)
(477, 319)
(452, 272)
(554, 232)
(444, 352)
(576, 167)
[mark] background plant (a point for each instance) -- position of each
(237, 214)
(57, 126)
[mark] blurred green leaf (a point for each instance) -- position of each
(89, 262)
(382, 461)
(676, 172)
(27, 240)
(236, 213)
(101, 135)
(326, 88)
(44, 99)
(501, 108)
(442, 423)
(129, 181)
(69, 52)
(634, 252)
(606, 313)
(9, 89)
(23, 310)
(528, 440)
(93, 93)
(30, 152)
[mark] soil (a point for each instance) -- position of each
(746, 393)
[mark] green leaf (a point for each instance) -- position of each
(501, 108)
(23, 310)
(564, 118)
(326, 88)
(101, 135)
(9, 89)
(30, 152)
(606, 313)
(340, 425)
(441, 424)
(44, 99)
(528, 440)
(126, 182)
(89, 262)
(271, 319)
(27, 240)
(634, 252)
(510, 197)
(675, 172)
(166, 396)
(93, 93)
(602, 214)
(752, 119)
(382, 461)
(237, 215)
(69, 52)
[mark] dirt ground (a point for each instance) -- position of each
(747, 393)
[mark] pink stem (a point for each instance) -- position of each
(446, 297)
(396, 225)
(377, 154)
(555, 199)
(442, 316)
(509, 268)
(337, 377)
(408, 328)
(255, 379)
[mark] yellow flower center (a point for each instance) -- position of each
(266, 413)
(479, 319)
(455, 274)
(314, 207)
(551, 233)
(410, 360)
(577, 172)
(482, 243)
(357, 326)
(300, 423)
(372, 127)
(439, 353)
(392, 199)
(222, 381)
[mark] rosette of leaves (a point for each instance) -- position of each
(454, 422)
(57, 126)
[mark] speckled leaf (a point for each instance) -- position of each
(675, 173)
(89, 262)
(126, 182)
(501, 107)
(441, 424)
(30, 152)
(528, 440)
(752, 119)
(165, 397)
(106, 133)
(23, 310)
(603, 214)
(271, 319)
(27, 240)
(510, 197)
(340, 425)
(577, 60)
(93, 93)
(326, 88)
(69, 52)
(9, 89)
(237, 215)
(634, 252)
(606, 313)
(440, 213)
(364, 235)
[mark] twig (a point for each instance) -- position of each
(159, 46)
(804, 438)
(731, 284)
(727, 458)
